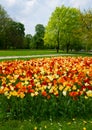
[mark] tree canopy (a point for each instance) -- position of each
(38, 40)
(63, 27)
(11, 32)
(86, 18)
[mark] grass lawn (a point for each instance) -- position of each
(61, 124)
(25, 52)
(28, 52)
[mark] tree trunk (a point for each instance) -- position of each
(57, 49)
(58, 42)
(67, 47)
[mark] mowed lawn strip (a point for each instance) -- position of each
(61, 124)
(25, 52)
(28, 52)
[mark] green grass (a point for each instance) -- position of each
(36, 53)
(26, 52)
(61, 124)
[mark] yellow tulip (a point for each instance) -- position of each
(84, 128)
(35, 128)
(61, 87)
(89, 93)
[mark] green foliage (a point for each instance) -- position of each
(4, 20)
(15, 34)
(11, 32)
(63, 27)
(86, 18)
(40, 108)
(27, 41)
(38, 42)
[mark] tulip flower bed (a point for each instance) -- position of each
(46, 87)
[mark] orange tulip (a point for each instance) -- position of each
(44, 93)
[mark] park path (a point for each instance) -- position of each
(31, 56)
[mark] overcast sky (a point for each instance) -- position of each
(33, 12)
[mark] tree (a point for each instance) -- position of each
(11, 32)
(63, 27)
(28, 41)
(86, 18)
(38, 37)
(4, 21)
(15, 34)
(53, 29)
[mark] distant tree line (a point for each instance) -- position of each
(12, 34)
(67, 29)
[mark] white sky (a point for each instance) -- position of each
(33, 12)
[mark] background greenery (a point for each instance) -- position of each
(67, 29)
